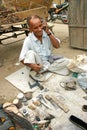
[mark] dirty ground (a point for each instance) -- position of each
(9, 55)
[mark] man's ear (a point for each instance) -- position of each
(30, 29)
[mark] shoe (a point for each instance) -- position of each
(78, 122)
(84, 108)
(36, 76)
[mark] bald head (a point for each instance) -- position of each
(32, 18)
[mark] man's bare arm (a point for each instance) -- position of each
(35, 67)
(54, 41)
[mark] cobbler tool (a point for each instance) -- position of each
(42, 100)
(51, 101)
(35, 84)
(60, 104)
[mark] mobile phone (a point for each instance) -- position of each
(44, 27)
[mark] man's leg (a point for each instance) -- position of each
(32, 57)
(59, 67)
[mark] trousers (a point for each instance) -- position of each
(32, 57)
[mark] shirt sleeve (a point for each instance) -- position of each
(25, 48)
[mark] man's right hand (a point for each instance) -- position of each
(35, 67)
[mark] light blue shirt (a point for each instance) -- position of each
(43, 49)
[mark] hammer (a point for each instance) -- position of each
(36, 84)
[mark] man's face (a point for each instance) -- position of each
(36, 27)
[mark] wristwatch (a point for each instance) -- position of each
(49, 34)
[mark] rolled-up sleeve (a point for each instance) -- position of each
(24, 50)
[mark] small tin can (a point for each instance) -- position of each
(17, 103)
